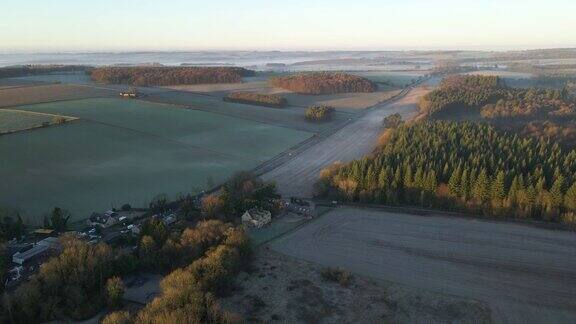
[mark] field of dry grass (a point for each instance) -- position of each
(48, 93)
(524, 274)
(282, 289)
(344, 101)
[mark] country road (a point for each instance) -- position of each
(358, 138)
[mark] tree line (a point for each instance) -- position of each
(462, 166)
(165, 76)
(188, 294)
(267, 100)
(79, 281)
(494, 99)
(323, 83)
(534, 112)
(33, 69)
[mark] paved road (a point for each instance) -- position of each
(297, 176)
(524, 274)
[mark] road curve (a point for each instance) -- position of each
(358, 138)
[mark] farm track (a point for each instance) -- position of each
(296, 171)
(525, 274)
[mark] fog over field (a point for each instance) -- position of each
(321, 161)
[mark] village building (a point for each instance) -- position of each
(256, 217)
(38, 250)
(105, 220)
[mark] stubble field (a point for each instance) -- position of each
(524, 274)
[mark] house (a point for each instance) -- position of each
(169, 219)
(35, 252)
(256, 217)
(50, 242)
(134, 228)
(105, 220)
(43, 232)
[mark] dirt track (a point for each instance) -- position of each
(297, 176)
(525, 274)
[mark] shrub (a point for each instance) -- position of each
(59, 120)
(319, 113)
(393, 121)
(344, 278)
(114, 291)
(121, 317)
(267, 100)
(324, 83)
(569, 219)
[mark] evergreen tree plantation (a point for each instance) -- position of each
(462, 166)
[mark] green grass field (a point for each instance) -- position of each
(291, 117)
(65, 78)
(15, 120)
(127, 151)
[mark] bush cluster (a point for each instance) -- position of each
(344, 278)
(267, 100)
(319, 113)
(324, 83)
(188, 295)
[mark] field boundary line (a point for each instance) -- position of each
(163, 138)
(203, 108)
(427, 212)
(38, 113)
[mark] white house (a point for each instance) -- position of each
(256, 217)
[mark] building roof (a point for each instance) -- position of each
(21, 257)
(258, 214)
(43, 231)
(50, 242)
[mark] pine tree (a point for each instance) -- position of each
(465, 185)
(408, 177)
(430, 183)
(454, 184)
(419, 178)
(570, 198)
(498, 189)
(383, 178)
(480, 191)
(512, 198)
(556, 192)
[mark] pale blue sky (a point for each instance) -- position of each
(81, 25)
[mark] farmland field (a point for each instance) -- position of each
(347, 102)
(398, 79)
(504, 74)
(46, 93)
(291, 117)
(64, 77)
(15, 83)
(525, 274)
(127, 151)
(15, 120)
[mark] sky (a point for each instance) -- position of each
(128, 25)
